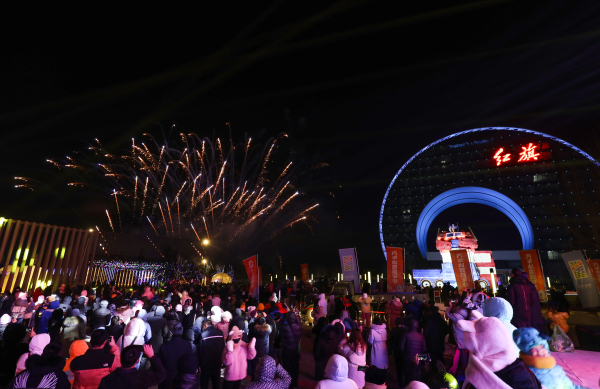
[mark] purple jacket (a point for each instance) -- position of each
(522, 297)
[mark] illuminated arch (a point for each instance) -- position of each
(387, 192)
(473, 195)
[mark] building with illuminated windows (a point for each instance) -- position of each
(522, 173)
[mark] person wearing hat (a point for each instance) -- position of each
(187, 372)
(336, 375)
(170, 353)
(236, 358)
(266, 371)
(45, 319)
(96, 362)
(261, 307)
(44, 370)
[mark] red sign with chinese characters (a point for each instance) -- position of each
(594, 265)
(251, 265)
(462, 269)
(304, 268)
(531, 265)
(395, 268)
(528, 153)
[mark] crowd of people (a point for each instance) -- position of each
(192, 335)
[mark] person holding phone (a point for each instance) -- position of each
(354, 349)
(97, 362)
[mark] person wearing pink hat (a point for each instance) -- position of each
(236, 357)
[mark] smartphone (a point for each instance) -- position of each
(110, 339)
(423, 357)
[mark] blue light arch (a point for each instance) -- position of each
(387, 192)
(473, 195)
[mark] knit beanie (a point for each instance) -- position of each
(84, 293)
(75, 312)
(260, 307)
(528, 338)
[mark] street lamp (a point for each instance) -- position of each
(204, 261)
(205, 242)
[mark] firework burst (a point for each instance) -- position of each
(240, 194)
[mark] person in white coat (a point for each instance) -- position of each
(133, 333)
(336, 375)
(377, 339)
(355, 351)
(323, 304)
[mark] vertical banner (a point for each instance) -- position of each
(532, 266)
(349, 263)
(251, 265)
(595, 270)
(395, 269)
(304, 268)
(582, 278)
(462, 269)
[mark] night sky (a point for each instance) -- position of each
(358, 85)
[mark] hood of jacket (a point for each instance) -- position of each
(337, 368)
(78, 347)
(135, 327)
(41, 366)
(397, 302)
(322, 296)
(498, 307)
(38, 342)
(265, 369)
(54, 305)
(263, 328)
(103, 304)
(159, 311)
(142, 314)
(67, 300)
(71, 321)
(331, 298)
(380, 329)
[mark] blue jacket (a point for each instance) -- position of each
(500, 308)
(43, 327)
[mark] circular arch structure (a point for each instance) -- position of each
(489, 197)
(473, 195)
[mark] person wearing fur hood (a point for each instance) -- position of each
(223, 325)
(235, 358)
(493, 362)
(534, 351)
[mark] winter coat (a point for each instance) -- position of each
(89, 368)
(210, 348)
(291, 333)
(135, 379)
(394, 309)
(551, 375)
(355, 359)
(73, 329)
(133, 334)
(2, 328)
(537, 319)
(317, 313)
(434, 331)
(264, 375)
(411, 343)
(46, 316)
(42, 372)
(365, 304)
(261, 333)
(236, 361)
(101, 316)
(116, 331)
(157, 323)
(188, 326)
(456, 313)
(81, 304)
(322, 303)
(169, 356)
(500, 308)
(186, 381)
(197, 329)
(559, 319)
(167, 330)
(327, 346)
(36, 347)
(78, 348)
(142, 314)
(336, 374)
(520, 296)
(379, 352)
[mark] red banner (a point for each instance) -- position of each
(304, 268)
(462, 269)
(395, 269)
(594, 265)
(533, 268)
(251, 265)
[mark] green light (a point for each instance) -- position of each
(18, 254)
(62, 253)
(56, 252)
(25, 255)
(2, 220)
